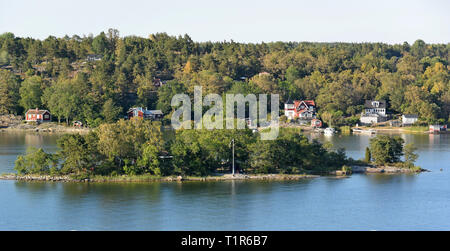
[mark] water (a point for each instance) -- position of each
(361, 202)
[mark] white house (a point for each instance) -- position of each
(374, 112)
(409, 119)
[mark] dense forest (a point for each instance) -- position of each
(55, 74)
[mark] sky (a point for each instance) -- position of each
(388, 21)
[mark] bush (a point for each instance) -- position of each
(347, 169)
(345, 129)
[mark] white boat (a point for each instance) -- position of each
(329, 131)
(370, 131)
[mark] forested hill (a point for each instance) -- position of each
(56, 74)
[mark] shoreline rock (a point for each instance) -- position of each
(224, 177)
(124, 179)
(385, 169)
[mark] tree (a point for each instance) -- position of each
(368, 156)
(31, 92)
(385, 149)
(266, 82)
(166, 93)
(110, 112)
(124, 139)
(64, 99)
(9, 93)
(410, 155)
(35, 161)
(100, 44)
(74, 154)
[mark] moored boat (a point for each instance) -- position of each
(329, 131)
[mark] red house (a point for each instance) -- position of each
(36, 115)
(302, 109)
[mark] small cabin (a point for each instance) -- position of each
(94, 57)
(438, 128)
(409, 119)
(37, 115)
(144, 113)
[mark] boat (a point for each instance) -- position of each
(329, 131)
(359, 130)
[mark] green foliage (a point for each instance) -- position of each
(35, 161)
(338, 76)
(410, 155)
(9, 93)
(136, 147)
(385, 149)
(110, 112)
(293, 152)
(31, 92)
(368, 156)
(346, 169)
(345, 130)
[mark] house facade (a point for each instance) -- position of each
(144, 113)
(301, 109)
(36, 115)
(374, 112)
(409, 119)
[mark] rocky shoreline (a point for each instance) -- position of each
(148, 178)
(384, 169)
(118, 179)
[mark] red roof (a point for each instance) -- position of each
(307, 102)
(36, 111)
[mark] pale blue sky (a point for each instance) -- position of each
(390, 21)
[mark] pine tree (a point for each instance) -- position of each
(368, 155)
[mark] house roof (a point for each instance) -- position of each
(372, 104)
(370, 115)
(94, 55)
(156, 112)
(145, 111)
(36, 111)
(410, 116)
(307, 102)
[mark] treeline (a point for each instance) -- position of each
(136, 147)
(54, 74)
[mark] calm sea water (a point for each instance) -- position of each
(361, 202)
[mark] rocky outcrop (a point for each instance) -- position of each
(37, 178)
(384, 169)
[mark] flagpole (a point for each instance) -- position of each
(232, 141)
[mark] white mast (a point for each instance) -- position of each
(232, 141)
